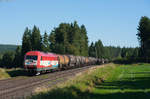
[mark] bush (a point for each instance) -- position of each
(7, 59)
(131, 60)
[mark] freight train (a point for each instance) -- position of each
(38, 62)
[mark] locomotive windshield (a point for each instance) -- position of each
(31, 57)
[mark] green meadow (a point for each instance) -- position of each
(110, 82)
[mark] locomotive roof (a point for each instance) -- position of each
(41, 53)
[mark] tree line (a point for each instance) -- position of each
(111, 52)
(70, 38)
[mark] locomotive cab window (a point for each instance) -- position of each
(31, 57)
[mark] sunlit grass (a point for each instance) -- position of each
(3, 74)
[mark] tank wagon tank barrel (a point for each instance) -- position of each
(63, 61)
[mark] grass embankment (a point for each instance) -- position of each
(8, 73)
(110, 82)
(3, 74)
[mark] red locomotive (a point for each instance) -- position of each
(39, 61)
(36, 61)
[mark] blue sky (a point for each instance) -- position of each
(113, 21)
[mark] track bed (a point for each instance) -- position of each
(23, 87)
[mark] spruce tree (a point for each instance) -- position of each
(61, 34)
(75, 38)
(92, 52)
(45, 43)
(83, 41)
(52, 41)
(144, 37)
(99, 49)
(26, 42)
(7, 60)
(17, 60)
(36, 39)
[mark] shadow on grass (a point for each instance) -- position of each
(20, 72)
(145, 72)
(75, 93)
(136, 83)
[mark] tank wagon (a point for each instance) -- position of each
(37, 62)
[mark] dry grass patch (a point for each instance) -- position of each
(4, 74)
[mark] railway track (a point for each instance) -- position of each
(23, 87)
